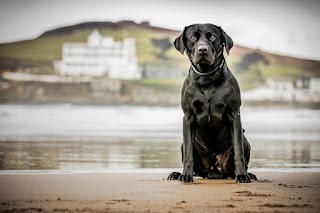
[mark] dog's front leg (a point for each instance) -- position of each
(237, 142)
(188, 141)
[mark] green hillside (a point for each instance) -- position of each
(47, 48)
(37, 55)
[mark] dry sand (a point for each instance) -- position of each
(138, 192)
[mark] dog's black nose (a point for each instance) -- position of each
(202, 49)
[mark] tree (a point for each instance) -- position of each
(162, 45)
(251, 61)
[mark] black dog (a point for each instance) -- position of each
(213, 142)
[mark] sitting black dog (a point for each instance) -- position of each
(214, 145)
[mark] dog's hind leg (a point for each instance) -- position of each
(247, 149)
(174, 176)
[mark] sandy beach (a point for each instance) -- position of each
(148, 192)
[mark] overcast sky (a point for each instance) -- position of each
(281, 26)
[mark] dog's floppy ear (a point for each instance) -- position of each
(179, 43)
(228, 43)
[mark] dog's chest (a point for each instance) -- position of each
(208, 105)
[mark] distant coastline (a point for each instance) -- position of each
(81, 93)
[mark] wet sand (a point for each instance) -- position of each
(139, 192)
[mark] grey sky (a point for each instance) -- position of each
(284, 26)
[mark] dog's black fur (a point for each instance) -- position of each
(214, 145)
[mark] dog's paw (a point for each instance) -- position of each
(252, 176)
(186, 178)
(243, 178)
(174, 176)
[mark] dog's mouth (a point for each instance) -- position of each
(203, 60)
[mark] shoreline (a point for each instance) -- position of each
(245, 104)
(151, 192)
(275, 170)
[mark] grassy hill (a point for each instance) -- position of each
(37, 55)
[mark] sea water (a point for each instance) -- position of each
(73, 138)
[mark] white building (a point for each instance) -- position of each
(100, 56)
(284, 91)
(314, 85)
(272, 91)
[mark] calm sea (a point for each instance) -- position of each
(51, 138)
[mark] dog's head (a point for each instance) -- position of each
(203, 43)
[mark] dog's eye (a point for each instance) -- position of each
(212, 38)
(193, 38)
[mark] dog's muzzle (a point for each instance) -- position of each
(203, 55)
(203, 50)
